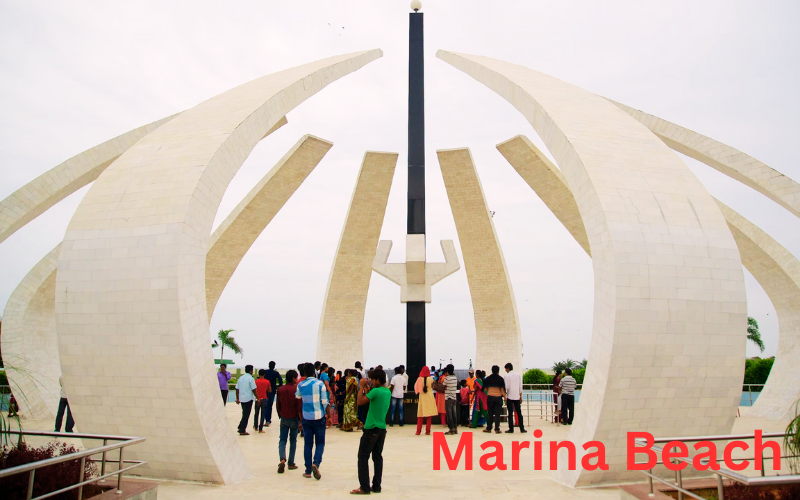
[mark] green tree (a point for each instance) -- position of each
(536, 376)
(225, 340)
(583, 363)
(753, 335)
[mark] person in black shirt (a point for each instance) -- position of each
(275, 382)
(495, 387)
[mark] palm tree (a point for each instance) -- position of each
(563, 365)
(583, 363)
(225, 340)
(753, 334)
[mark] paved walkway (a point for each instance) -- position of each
(408, 470)
(408, 467)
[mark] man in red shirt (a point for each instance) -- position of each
(263, 388)
(289, 410)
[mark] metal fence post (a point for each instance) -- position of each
(30, 484)
(720, 488)
(103, 463)
(119, 476)
(679, 479)
(80, 478)
(650, 481)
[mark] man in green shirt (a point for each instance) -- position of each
(378, 396)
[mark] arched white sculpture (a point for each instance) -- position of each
(29, 337)
(29, 343)
(497, 332)
(145, 224)
(656, 331)
(341, 325)
(778, 272)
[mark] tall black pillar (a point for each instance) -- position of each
(415, 311)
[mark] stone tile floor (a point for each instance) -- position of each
(408, 467)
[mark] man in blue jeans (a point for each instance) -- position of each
(289, 411)
(275, 382)
(315, 418)
(398, 388)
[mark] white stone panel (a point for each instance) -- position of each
(29, 344)
(234, 236)
(666, 355)
(730, 161)
(497, 331)
(130, 292)
(341, 325)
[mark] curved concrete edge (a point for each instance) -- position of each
(341, 326)
(548, 182)
(146, 223)
(236, 234)
(730, 161)
(34, 198)
(670, 304)
(497, 330)
(29, 344)
(778, 272)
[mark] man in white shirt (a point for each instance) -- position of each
(398, 387)
(514, 398)
(245, 395)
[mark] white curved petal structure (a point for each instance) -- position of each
(341, 325)
(548, 182)
(236, 234)
(730, 161)
(778, 272)
(130, 290)
(29, 344)
(669, 288)
(34, 198)
(29, 338)
(497, 332)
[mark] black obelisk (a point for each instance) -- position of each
(415, 311)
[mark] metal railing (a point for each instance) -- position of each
(721, 473)
(544, 396)
(31, 468)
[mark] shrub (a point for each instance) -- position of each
(757, 370)
(48, 479)
(578, 375)
(536, 376)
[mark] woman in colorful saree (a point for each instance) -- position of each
(479, 409)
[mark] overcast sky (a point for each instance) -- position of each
(75, 74)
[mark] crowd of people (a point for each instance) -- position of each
(316, 397)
